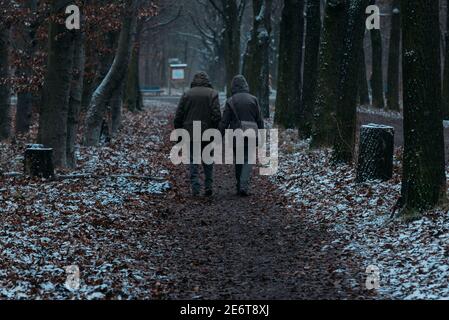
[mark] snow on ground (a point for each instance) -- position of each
(413, 257)
(381, 112)
(96, 224)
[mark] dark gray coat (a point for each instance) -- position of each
(245, 104)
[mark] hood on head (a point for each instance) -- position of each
(239, 85)
(201, 79)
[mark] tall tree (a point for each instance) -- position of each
(346, 116)
(5, 106)
(331, 51)
(114, 78)
(55, 106)
(75, 97)
(231, 12)
(377, 81)
(131, 91)
(132, 96)
(211, 32)
(312, 48)
(364, 98)
(423, 181)
(394, 57)
(256, 66)
(290, 64)
(445, 96)
(28, 46)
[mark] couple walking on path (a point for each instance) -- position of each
(201, 103)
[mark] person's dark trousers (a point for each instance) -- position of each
(195, 174)
(243, 173)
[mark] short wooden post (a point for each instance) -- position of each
(38, 162)
(375, 153)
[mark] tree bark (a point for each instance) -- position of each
(117, 109)
(364, 98)
(55, 106)
(25, 96)
(76, 94)
(331, 47)
(132, 88)
(424, 181)
(116, 75)
(312, 48)
(257, 57)
(98, 63)
(5, 94)
(377, 86)
(232, 34)
(346, 116)
(445, 96)
(394, 58)
(290, 64)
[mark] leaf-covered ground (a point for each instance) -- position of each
(307, 233)
(413, 258)
(107, 226)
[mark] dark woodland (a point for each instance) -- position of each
(93, 207)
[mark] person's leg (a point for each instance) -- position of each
(194, 175)
(209, 178)
(245, 175)
(195, 179)
(208, 173)
(238, 174)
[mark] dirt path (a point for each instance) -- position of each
(229, 247)
(132, 243)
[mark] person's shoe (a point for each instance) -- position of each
(244, 193)
(208, 193)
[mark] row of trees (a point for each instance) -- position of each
(324, 105)
(321, 71)
(61, 74)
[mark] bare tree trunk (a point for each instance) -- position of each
(101, 64)
(257, 57)
(394, 58)
(116, 75)
(363, 90)
(377, 80)
(55, 106)
(445, 97)
(147, 63)
(24, 111)
(116, 110)
(344, 144)
(132, 88)
(232, 36)
(25, 97)
(332, 40)
(312, 48)
(76, 94)
(290, 64)
(5, 94)
(424, 180)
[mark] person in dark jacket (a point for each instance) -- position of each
(247, 108)
(200, 103)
